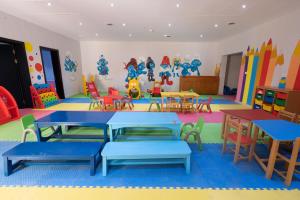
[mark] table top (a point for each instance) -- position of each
(144, 118)
(251, 115)
(82, 117)
(55, 149)
(155, 148)
(281, 130)
(180, 94)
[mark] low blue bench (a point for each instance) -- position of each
(145, 152)
(52, 151)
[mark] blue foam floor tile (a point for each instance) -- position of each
(209, 169)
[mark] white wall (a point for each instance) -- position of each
(118, 53)
(17, 29)
(284, 31)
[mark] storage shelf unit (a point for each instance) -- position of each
(200, 84)
(273, 100)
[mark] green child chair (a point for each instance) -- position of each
(28, 127)
(194, 130)
(152, 102)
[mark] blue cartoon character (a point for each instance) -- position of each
(70, 65)
(150, 66)
(176, 67)
(102, 66)
(165, 71)
(140, 68)
(195, 64)
(185, 69)
(131, 68)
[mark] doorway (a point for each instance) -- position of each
(233, 65)
(14, 72)
(52, 69)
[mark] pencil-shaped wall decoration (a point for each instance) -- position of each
(266, 62)
(241, 76)
(297, 81)
(253, 77)
(244, 73)
(248, 76)
(274, 61)
(293, 68)
(260, 63)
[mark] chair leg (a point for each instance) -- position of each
(237, 152)
(224, 143)
(149, 109)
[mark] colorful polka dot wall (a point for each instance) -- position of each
(34, 63)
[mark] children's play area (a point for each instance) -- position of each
(141, 99)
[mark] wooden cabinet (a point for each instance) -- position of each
(273, 100)
(200, 84)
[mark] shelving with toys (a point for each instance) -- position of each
(273, 100)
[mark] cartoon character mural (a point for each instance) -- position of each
(185, 68)
(131, 68)
(150, 66)
(195, 64)
(70, 64)
(176, 67)
(165, 71)
(102, 66)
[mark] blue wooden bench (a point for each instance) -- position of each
(145, 152)
(24, 153)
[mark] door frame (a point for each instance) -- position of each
(56, 70)
(24, 74)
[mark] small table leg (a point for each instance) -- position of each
(104, 166)
(224, 125)
(92, 166)
(162, 104)
(188, 164)
(292, 163)
(7, 166)
(272, 159)
(253, 144)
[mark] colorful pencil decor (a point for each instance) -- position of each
(293, 72)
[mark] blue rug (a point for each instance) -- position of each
(209, 169)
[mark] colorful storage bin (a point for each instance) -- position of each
(280, 102)
(282, 95)
(268, 99)
(259, 91)
(259, 96)
(255, 106)
(267, 107)
(278, 108)
(258, 102)
(270, 93)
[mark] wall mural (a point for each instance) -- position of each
(34, 63)
(102, 66)
(293, 75)
(70, 63)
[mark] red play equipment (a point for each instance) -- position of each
(43, 95)
(156, 90)
(9, 110)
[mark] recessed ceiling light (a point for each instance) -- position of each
(150, 30)
(112, 4)
(167, 36)
(130, 35)
(109, 24)
(124, 24)
(216, 25)
(80, 23)
(49, 4)
(177, 5)
(244, 6)
(201, 35)
(231, 23)
(169, 25)
(97, 34)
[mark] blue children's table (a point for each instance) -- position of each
(74, 118)
(153, 120)
(279, 131)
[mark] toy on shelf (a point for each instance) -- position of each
(165, 71)
(156, 90)
(84, 83)
(43, 95)
(150, 66)
(9, 110)
(134, 90)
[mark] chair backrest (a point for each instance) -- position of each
(115, 92)
(286, 115)
(93, 90)
(232, 123)
(108, 100)
(200, 124)
(27, 121)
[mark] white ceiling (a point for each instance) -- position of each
(188, 22)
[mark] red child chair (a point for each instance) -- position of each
(108, 102)
(205, 103)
